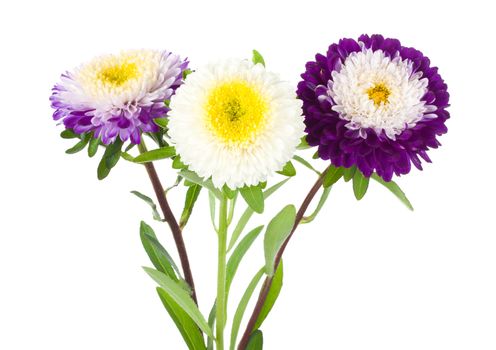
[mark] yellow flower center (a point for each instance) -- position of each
(379, 93)
(236, 111)
(118, 74)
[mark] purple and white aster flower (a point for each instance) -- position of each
(118, 95)
(374, 104)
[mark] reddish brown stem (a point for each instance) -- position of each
(176, 230)
(264, 291)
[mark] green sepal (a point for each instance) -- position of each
(80, 145)
(162, 122)
(348, 173)
(109, 159)
(93, 146)
(395, 189)
(178, 164)
(68, 134)
(303, 144)
(229, 192)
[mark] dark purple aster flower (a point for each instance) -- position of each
(374, 104)
(118, 95)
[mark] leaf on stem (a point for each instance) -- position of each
(395, 189)
(93, 146)
(191, 197)
(193, 177)
(253, 196)
(184, 323)
(80, 145)
(360, 184)
(243, 303)
(348, 173)
(320, 205)
(256, 341)
(258, 58)
(181, 297)
(278, 230)
(332, 176)
(156, 154)
(274, 291)
(150, 202)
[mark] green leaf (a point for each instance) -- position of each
(253, 196)
(229, 192)
(303, 144)
(186, 72)
(191, 197)
(288, 170)
(184, 323)
(195, 178)
(113, 153)
(150, 202)
(257, 58)
(127, 157)
(159, 257)
(80, 145)
(360, 184)
(243, 303)
(332, 176)
(238, 254)
(109, 159)
(181, 297)
(211, 323)
(274, 291)
(395, 189)
(212, 205)
(156, 154)
(162, 122)
(93, 147)
(256, 341)
(348, 173)
(306, 164)
(278, 230)
(177, 163)
(247, 214)
(68, 134)
(320, 205)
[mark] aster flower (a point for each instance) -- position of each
(235, 122)
(374, 104)
(118, 95)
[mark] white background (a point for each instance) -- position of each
(366, 275)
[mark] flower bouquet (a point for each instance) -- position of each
(370, 107)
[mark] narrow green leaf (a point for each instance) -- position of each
(332, 176)
(253, 196)
(212, 205)
(181, 297)
(156, 154)
(80, 145)
(238, 254)
(211, 323)
(243, 303)
(257, 58)
(348, 173)
(306, 164)
(127, 157)
(102, 171)
(256, 341)
(288, 170)
(113, 153)
(129, 147)
(150, 202)
(247, 214)
(162, 122)
(184, 323)
(278, 229)
(189, 202)
(395, 189)
(68, 134)
(320, 205)
(274, 291)
(195, 178)
(360, 184)
(93, 146)
(159, 257)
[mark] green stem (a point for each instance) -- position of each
(221, 274)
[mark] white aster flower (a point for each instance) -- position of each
(371, 90)
(235, 122)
